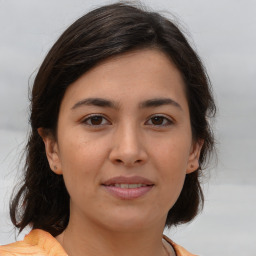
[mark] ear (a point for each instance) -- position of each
(51, 150)
(193, 161)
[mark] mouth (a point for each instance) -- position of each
(128, 188)
(128, 185)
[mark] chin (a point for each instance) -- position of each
(128, 226)
(130, 221)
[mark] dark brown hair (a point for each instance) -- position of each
(43, 201)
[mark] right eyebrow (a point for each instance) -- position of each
(95, 102)
(157, 102)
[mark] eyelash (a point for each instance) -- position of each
(94, 116)
(168, 121)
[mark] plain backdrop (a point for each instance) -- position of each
(223, 32)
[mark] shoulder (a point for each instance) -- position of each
(37, 242)
(179, 250)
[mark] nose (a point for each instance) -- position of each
(128, 149)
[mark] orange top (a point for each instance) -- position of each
(42, 243)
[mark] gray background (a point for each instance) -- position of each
(224, 34)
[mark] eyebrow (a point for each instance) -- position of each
(159, 102)
(96, 102)
(100, 102)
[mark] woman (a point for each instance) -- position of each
(119, 137)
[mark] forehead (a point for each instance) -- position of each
(146, 73)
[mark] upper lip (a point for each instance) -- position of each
(128, 180)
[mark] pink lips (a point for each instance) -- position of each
(128, 187)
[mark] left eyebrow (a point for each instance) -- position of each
(99, 102)
(159, 102)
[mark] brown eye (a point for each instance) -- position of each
(159, 121)
(96, 120)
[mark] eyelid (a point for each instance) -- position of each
(170, 120)
(86, 118)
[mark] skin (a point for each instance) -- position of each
(127, 141)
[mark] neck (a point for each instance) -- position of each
(88, 238)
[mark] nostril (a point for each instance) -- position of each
(128, 162)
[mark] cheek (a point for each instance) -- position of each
(79, 153)
(80, 159)
(172, 156)
(170, 160)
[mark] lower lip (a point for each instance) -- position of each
(128, 193)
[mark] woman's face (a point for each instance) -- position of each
(124, 142)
